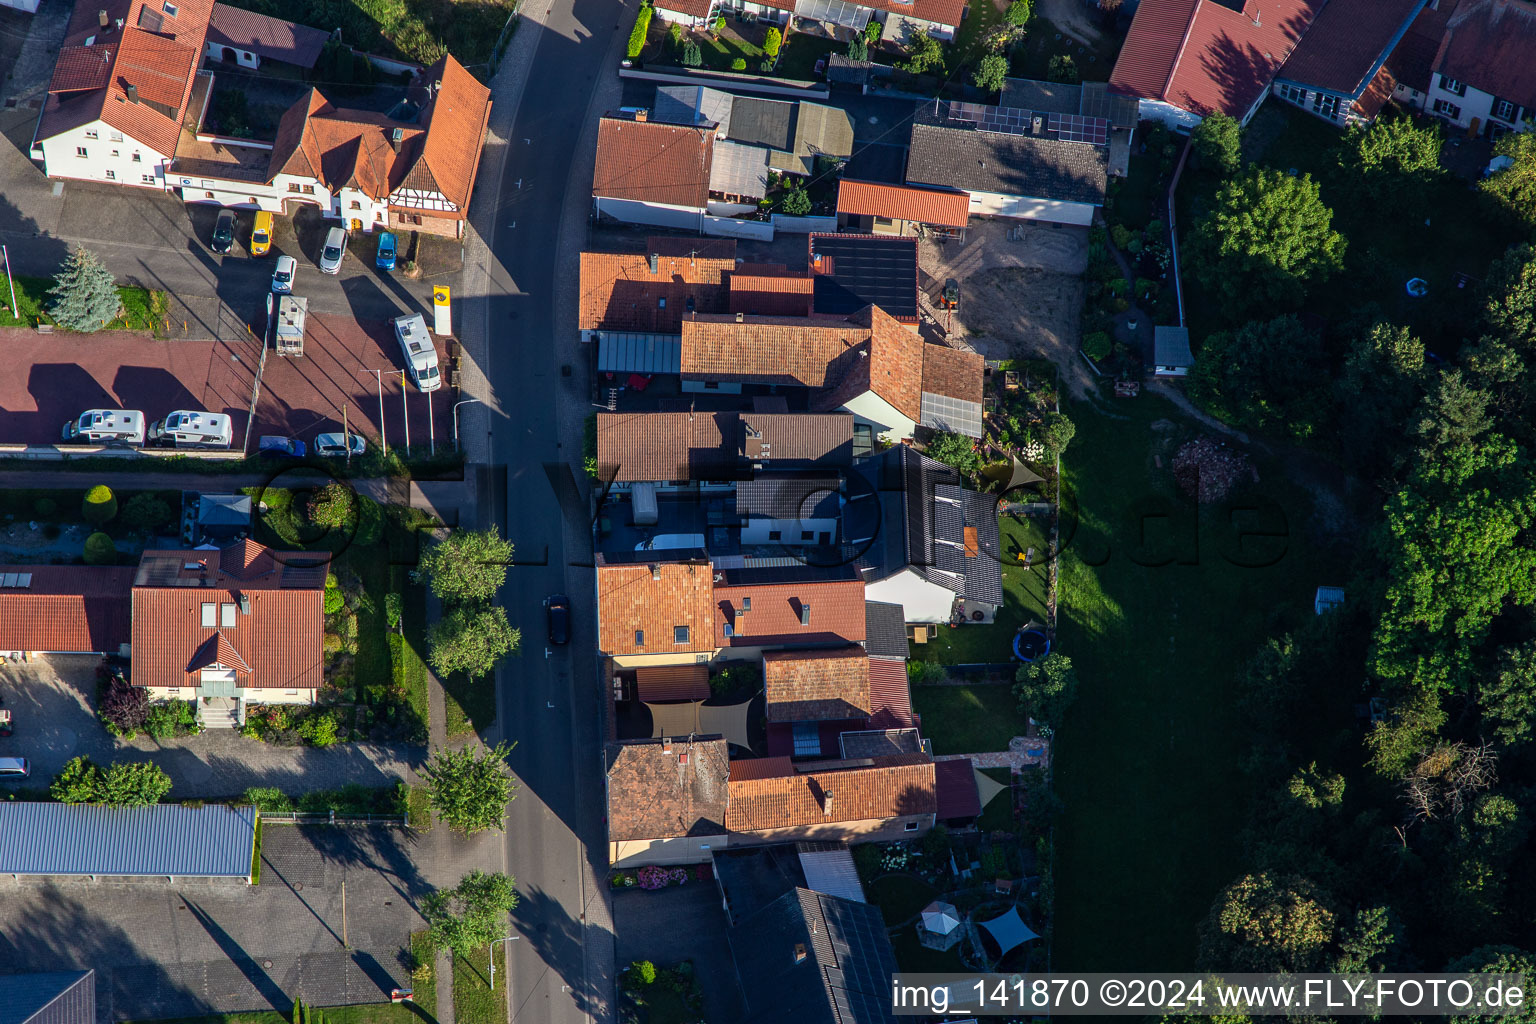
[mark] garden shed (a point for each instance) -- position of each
(1171, 353)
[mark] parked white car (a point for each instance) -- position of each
(335, 248)
(282, 276)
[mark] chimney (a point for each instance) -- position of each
(805, 614)
(245, 604)
(666, 745)
(655, 572)
(1037, 123)
(119, 24)
(826, 804)
(132, 92)
(653, 261)
(395, 136)
(741, 318)
(799, 952)
(642, 114)
(101, 17)
(682, 758)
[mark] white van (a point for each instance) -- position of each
(14, 768)
(106, 426)
(187, 428)
(420, 354)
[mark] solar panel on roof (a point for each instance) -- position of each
(1076, 128)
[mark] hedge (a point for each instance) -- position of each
(638, 33)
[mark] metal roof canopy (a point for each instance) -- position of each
(164, 839)
(624, 352)
(828, 868)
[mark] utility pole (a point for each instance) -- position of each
(344, 943)
(407, 408)
(383, 437)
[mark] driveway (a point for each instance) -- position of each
(54, 699)
(164, 949)
(683, 923)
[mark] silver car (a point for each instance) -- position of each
(335, 248)
(334, 446)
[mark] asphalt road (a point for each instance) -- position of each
(548, 701)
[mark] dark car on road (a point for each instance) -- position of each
(275, 446)
(224, 231)
(385, 260)
(559, 609)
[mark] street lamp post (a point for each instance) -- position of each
(456, 420)
(509, 938)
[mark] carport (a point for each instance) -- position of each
(69, 842)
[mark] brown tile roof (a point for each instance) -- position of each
(620, 293)
(652, 162)
(667, 446)
(654, 600)
(824, 439)
(65, 608)
(1376, 94)
(890, 694)
(836, 613)
(82, 67)
(340, 147)
(1491, 45)
(1414, 55)
(455, 119)
(276, 645)
(769, 350)
(811, 686)
(956, 788)
(269, 38)
(672, 682)
(1344, 43)
(949, 371)
(892, 787)
(771, 294)
(661, 790)
(160, 68)
(903, 202)
(892, 367)
(1200, 55)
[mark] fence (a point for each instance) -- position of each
(1173, 231)
(803, 225)
(730, 227)
(503, 38)
(331, 818)
(727, 80)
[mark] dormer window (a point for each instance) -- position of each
(210, 615)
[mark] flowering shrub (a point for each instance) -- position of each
(652, 877)
(896, 858)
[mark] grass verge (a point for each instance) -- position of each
(256, 854)
(418, 809)
(424, 978)
(474, 1002)
(143, 309)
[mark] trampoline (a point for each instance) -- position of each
(1030, 645)
(1417, 287)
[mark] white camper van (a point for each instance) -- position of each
(420, 354)
(106, 426)
(187, 428)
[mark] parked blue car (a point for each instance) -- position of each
(386, 258)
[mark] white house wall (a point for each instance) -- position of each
(109, 157)
(888, 421)
(1476, 105)
(920, 600)
(245, 58)
(994, 204)
(632, 211)
(360, 211)
(634, 853)
(756, 530)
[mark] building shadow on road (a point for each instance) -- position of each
(545, 923)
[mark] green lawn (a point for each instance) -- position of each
(1454, 232)
(1033, 59)
(801, 52)
(899, 897)
(143, 310)
(912, 955)
(981, 20)
(969, 719)
(424, 989)
(1024, 592)
(1157, 623)
(473, 1000)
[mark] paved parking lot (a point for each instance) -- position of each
(163, 949)
(53, 700)
(48, 384)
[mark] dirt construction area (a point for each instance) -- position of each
(1021, 290)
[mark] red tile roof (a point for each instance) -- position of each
(836, 613)
(661, 790)
(269, 38)
(1201, 56)
(891, 787)
(1491, 45)
(82, 67)
(619, 292)
(953, 372)
(1376, 94)
(65, 608)
(903, 202)
(816, 685)
(652, 162)
(667, 446)
(1415, 53)
(456, 118)
(654, 600)
(276, 644)
(891, 365)
(1345, 42)
(771, 294)
(890, 696)
(955, 781)
(769, 350)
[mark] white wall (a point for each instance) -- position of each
(634, 853)
(631, 211)
(921, 600)
(993, 204)
(252, 695)
(887, 421)
(679, 18)
(1167, 113)
(245, 58)
(369, 211)
(1475, 105)
(756, 530)
(107, 150)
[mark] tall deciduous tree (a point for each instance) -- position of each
(85, 296)
(1268, 924)
(1514, 187)
(470, 565)
(1267, 238)
(1045, 688)
(468, 916)
(470, 640)
(1392, 163)
(469, 788)
(1218, 141)
(1509, 311)
(1507, 695)
(955, 450)
(1264, 375)
(990, 72)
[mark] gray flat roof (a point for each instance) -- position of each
(164, 839)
